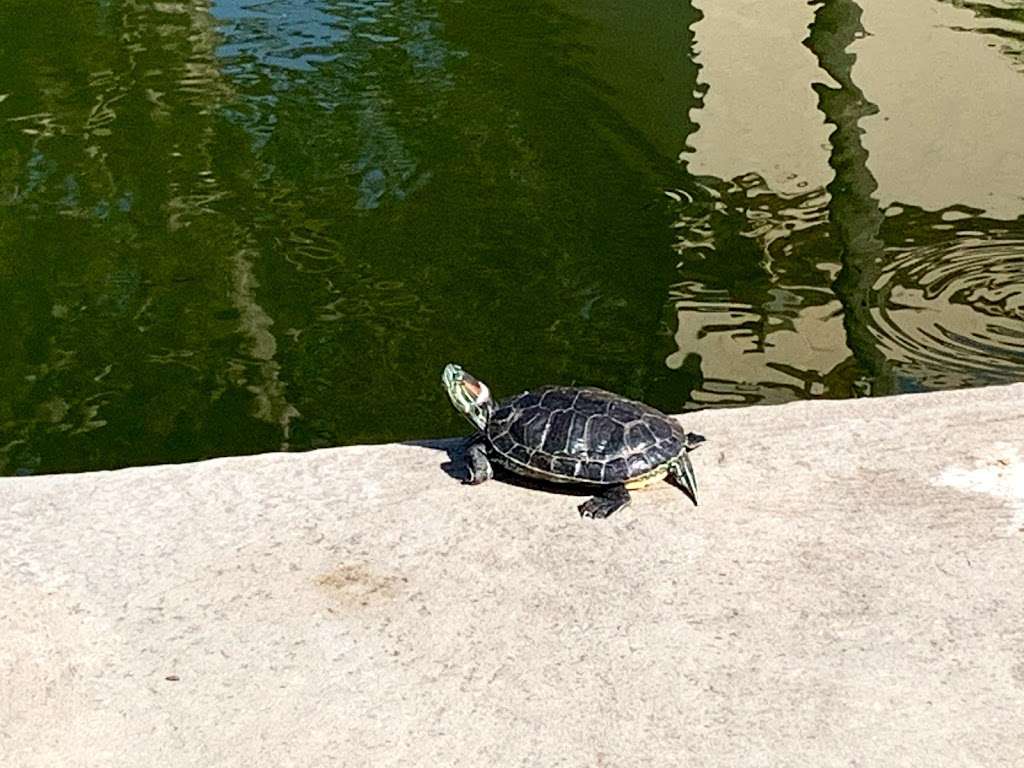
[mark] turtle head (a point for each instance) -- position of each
(468, 394)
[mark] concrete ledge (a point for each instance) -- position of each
(849, 592)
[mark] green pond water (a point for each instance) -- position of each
(232, 227)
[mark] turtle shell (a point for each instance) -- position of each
(582, 435)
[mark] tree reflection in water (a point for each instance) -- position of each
(790, 286)
(237, 226)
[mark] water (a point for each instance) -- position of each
(237, 226)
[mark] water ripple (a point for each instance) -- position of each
(952, 314)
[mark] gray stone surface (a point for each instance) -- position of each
(849, 592)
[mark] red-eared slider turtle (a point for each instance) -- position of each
(575, 435)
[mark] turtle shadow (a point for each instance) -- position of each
(455, 468)
(452, 447)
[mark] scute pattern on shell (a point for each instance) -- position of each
(582, 435)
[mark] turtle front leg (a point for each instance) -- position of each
(478, 466)
(614, 498)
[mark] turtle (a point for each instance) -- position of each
(581, 436)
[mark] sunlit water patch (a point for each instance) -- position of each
(952, 314)
(757, 320)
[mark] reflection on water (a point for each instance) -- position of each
(952, 314)
(941, 135)
(288, 34)
(1003, 23)
(755, 306)
(751, 62)
(788, 239)
(239, 226)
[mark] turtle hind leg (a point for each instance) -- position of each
(614, 498)
(680, 471)
(478, 466)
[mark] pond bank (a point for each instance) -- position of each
(848, 592)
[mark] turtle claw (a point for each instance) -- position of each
(475, 479)
(599, 507)
(478, 466)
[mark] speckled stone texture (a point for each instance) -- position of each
(849, 592)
